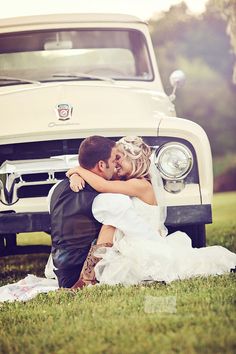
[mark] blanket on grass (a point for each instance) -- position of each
(27, 288)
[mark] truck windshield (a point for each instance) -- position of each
(56, 55)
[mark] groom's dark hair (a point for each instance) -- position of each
(93, 149)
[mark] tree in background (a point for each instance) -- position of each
(228, 8)
(200, 47)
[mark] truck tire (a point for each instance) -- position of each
(10, 241)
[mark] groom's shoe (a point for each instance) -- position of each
(87, 275)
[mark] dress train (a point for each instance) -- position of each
(133, 260)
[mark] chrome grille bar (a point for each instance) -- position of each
(12, 174)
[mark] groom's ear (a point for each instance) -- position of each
(101, 165)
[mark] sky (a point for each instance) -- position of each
(142, 8)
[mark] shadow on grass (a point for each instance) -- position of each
(14, 268)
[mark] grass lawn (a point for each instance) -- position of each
(191, 316)
(223, 230)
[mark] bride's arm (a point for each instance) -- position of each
(77, 183)
(133, 187)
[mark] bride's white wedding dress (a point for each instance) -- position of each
(133, 260)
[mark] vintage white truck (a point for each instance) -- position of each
(65, 77)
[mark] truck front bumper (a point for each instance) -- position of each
(40, 221)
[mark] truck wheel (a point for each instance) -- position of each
(2, 245)
(197, 233)
(10, 241)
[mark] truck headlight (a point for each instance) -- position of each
(174, 161)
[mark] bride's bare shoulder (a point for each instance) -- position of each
(139, 181)
(144, 188)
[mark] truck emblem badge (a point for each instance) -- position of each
(64, 111)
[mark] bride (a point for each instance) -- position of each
(131, 260)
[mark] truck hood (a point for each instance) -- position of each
(30, 112)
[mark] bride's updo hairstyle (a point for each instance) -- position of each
(138, 153)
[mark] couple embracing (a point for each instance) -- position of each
(107, 226)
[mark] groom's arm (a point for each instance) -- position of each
(117, 210)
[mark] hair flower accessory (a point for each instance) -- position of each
(138, 153)
(129, 147)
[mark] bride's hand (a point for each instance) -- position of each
(76, 183)
(71, 171)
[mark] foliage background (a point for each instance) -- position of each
(200, 46)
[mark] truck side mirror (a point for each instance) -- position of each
(177, 79)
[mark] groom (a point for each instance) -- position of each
(73, 227)
(76, 218)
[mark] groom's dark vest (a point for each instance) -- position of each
(73, 227)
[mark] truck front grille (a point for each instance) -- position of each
(29, 170)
